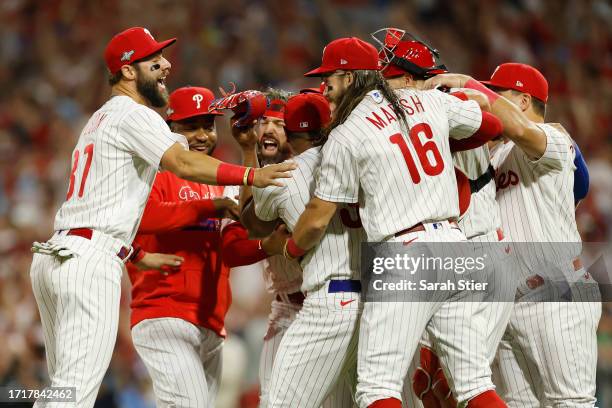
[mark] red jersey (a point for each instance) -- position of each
(177, 220)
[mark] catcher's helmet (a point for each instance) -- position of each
(402, 53)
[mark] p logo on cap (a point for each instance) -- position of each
(190, 101)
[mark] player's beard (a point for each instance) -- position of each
(148, 88)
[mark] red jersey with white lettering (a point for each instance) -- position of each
(199, 292)
(536, 196)
(113, 167)
(406, 176)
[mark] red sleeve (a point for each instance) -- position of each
(162, 216)
(236, 247)
(490, 128)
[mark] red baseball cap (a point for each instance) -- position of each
(131, 45)
(276, 109)
(349, 53)
(412, 51)
(520, 77)
(190, 101)
(307, 111)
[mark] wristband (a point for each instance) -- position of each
(251, 177)
(231, 175)
(473, 84)
(137, 255)
(292, 249)
(245, 177)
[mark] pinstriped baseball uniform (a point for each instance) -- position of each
(406, 178)
(480, 224)
(548, 355)
(317, 355)
(282, 277)
(76, 281)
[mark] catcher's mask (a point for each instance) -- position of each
(402, 52)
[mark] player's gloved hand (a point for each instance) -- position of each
(446, 80)
(246, 105)
(165, 263)
(269, 175)
(274, 243)
(226, 208)
(246, 136)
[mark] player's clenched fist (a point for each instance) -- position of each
(226, 208)
(269, 175)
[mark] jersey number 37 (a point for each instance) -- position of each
(75, 165)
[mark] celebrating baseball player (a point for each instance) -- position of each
(178, 317)
(372, 124)
(548, 355)
(316, 362)
(408, 62)
(76, 274)
(262, 138)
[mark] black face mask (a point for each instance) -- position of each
(147, 87)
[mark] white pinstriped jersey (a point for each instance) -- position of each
(113, 168)
(337, 256)
(482, 216)
(406, 177)
(536, 197)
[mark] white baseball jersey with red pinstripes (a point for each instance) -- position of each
(337, 256)
(405, 180)
(548, 356)
(113, 168)
(536, 197)
(482, 216)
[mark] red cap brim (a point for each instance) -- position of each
(160, 46)
(319, 71)
(175, 118)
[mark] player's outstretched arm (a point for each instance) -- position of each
(517, 127)
(208, 170)
(311, 226)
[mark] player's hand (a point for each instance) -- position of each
(479, 97)
(269, 175)
(446, 80)
(245, 136)
(226, 208)
(274, 243)
(165, 263)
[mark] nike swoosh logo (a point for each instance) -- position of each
(408, 242)
(344, 303)
(507, 249)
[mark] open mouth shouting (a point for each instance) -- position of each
(269, 145)
(161, 83)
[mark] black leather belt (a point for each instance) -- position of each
(483, 180)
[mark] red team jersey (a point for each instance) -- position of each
(199, 292)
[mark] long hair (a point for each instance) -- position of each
(364, 82)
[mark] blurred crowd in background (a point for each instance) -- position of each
(52, 77)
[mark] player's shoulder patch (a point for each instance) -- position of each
(376, 96)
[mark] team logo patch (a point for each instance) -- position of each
(519, 83)
(377, 96)
(127, 55)
(197, 98)
(343, 61)
(303, 125)
(169, 111)
(187, 194)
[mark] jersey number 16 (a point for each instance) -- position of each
(431, 168)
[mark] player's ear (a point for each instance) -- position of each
(349, 78)
(129, 72)
(525, 102)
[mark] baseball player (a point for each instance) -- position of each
(177, 318)
(76, 274)
(402, 199)
(548, 355)
(408, 62)
(266, 141)
(316, 361)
